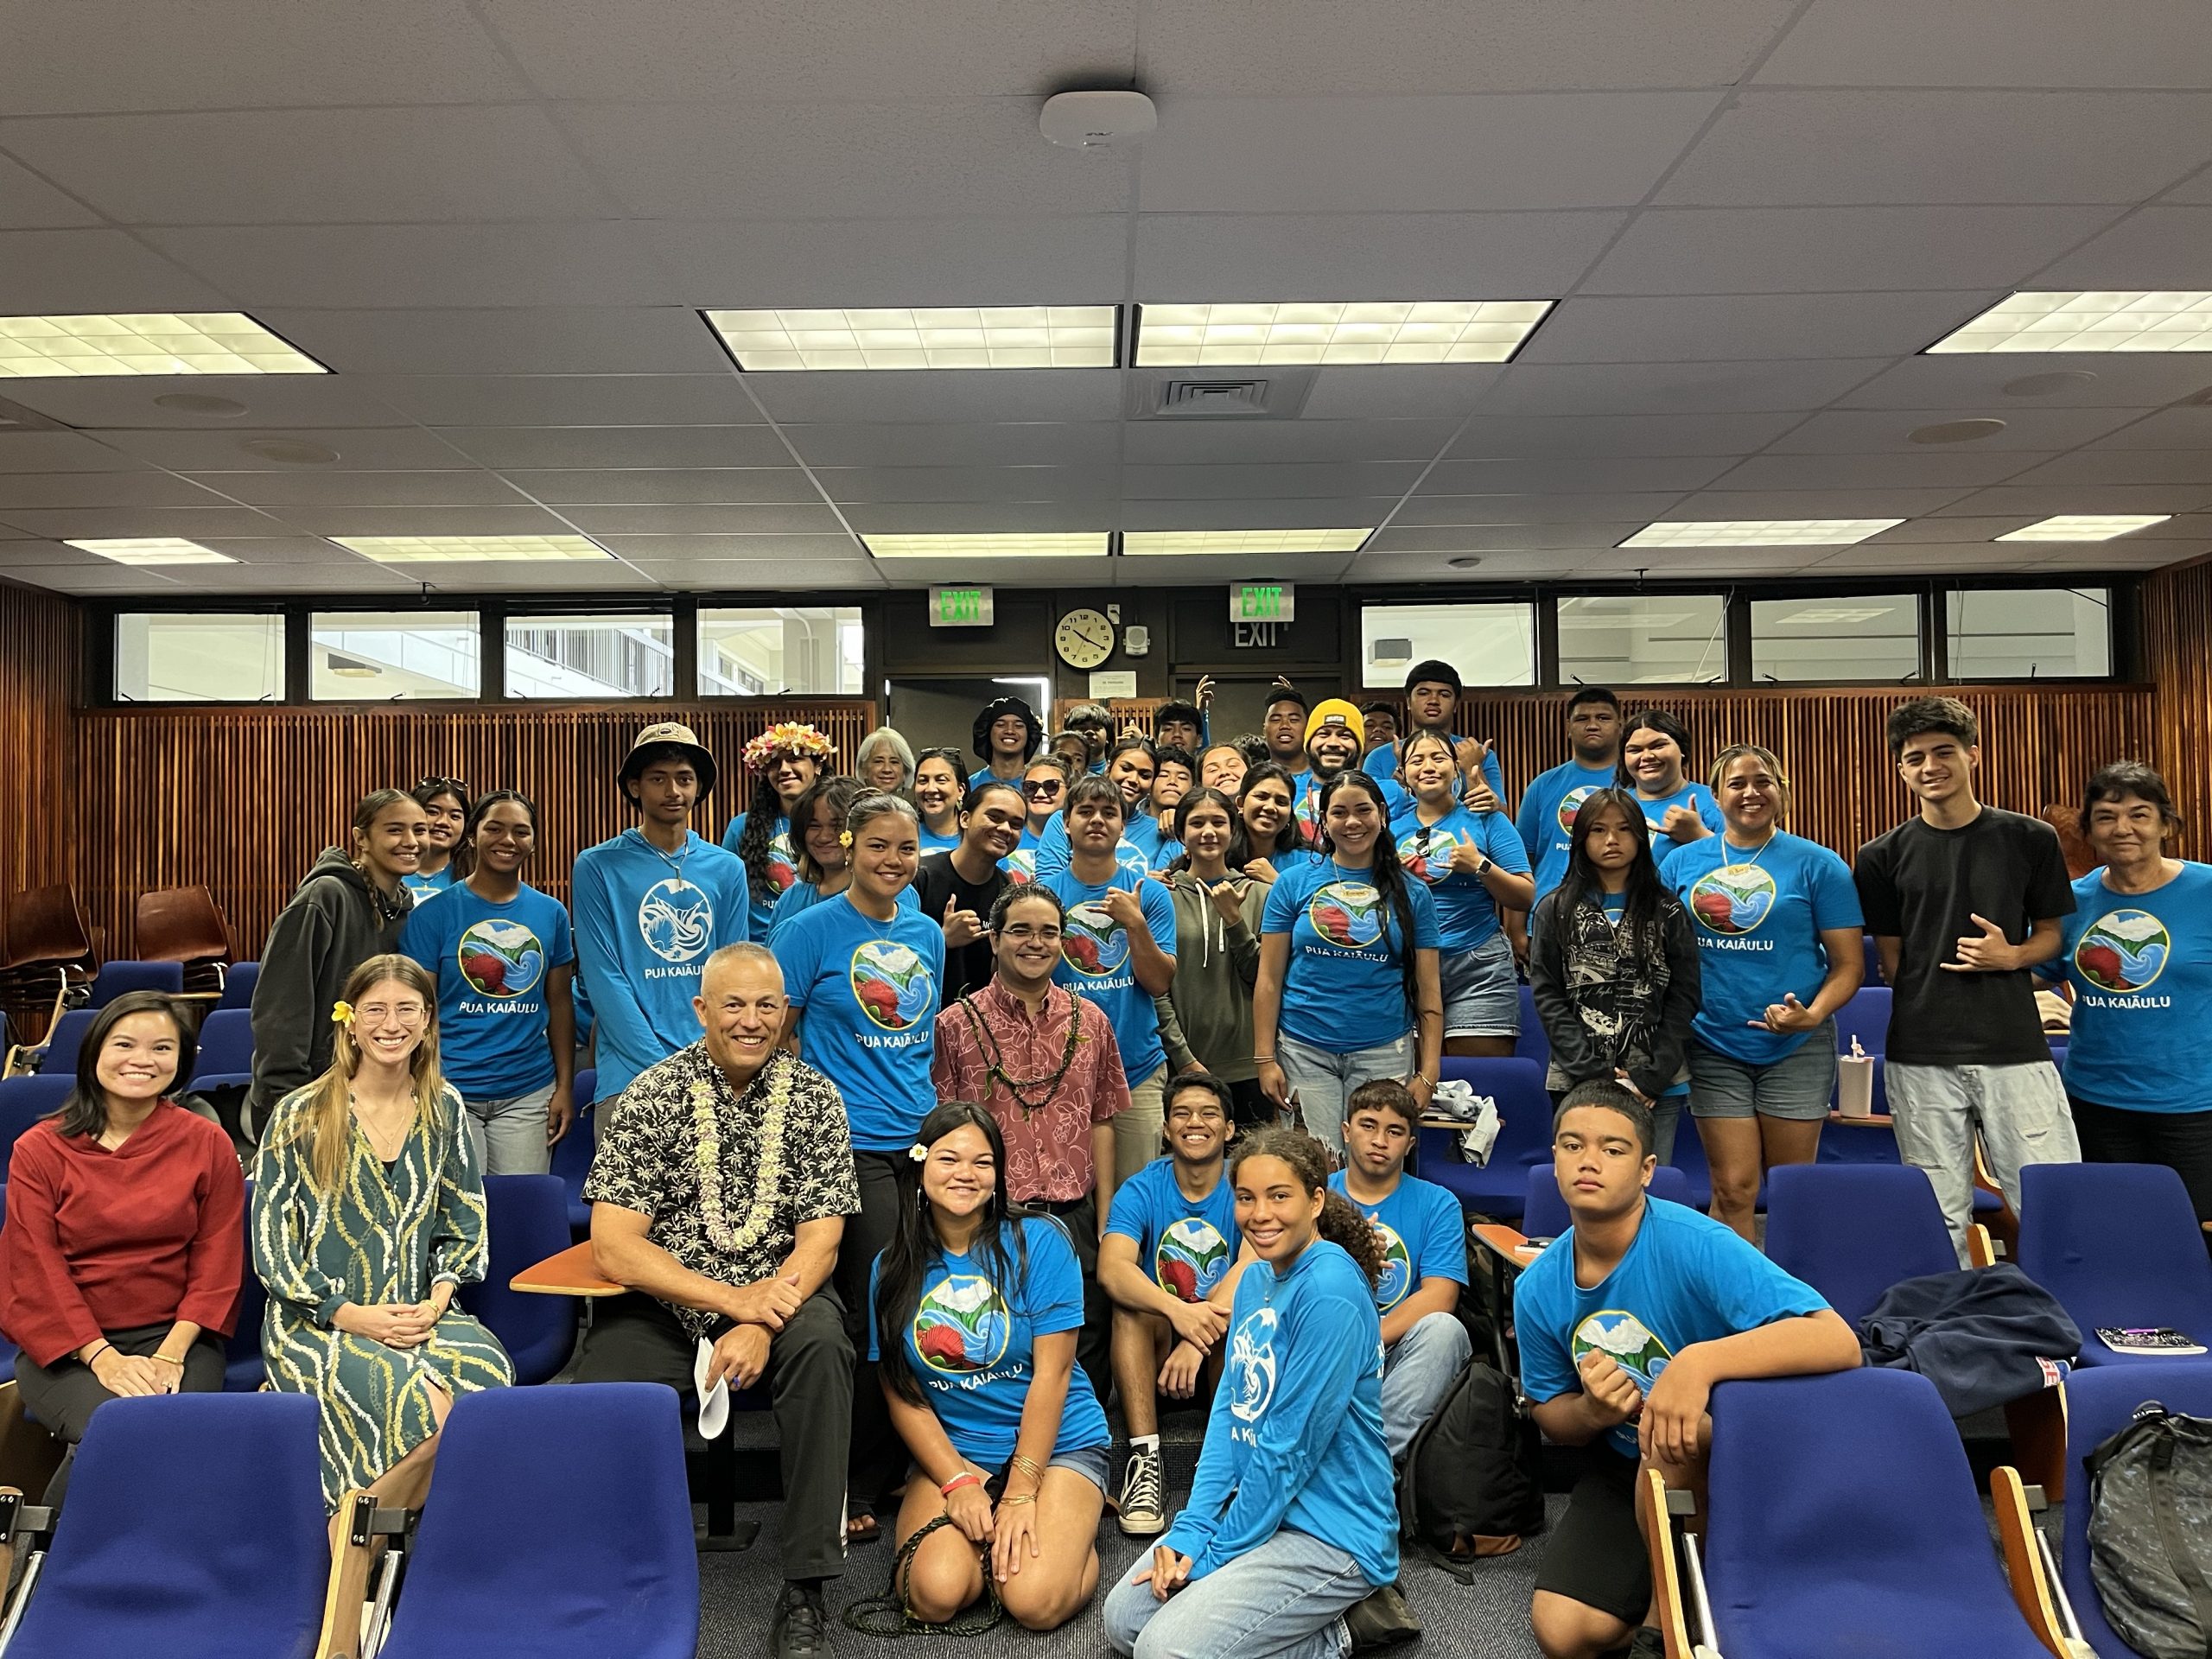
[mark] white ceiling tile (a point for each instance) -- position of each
(1811, 503)
(1194, 257)
(664, 487)
(1003, 573)
(1671, 388)
(1820, 250)
(580, 578)
(710, 399)
(1454, 511)
(271, 400)
(29, 203)
(978, 398)
(2119, 555)
(2122, 466)
(1960, 465)
(1398, 390)
(1431, 571)
(1350, 155)
(594, 448)
(1686, 563)
(1705, 328)
(628, 520)
(266, 550)
(2120, 380)
(2189, 427)
(763, 576)
(73, 272)
(2155, 247)
(15, 549)
(109, 578)
(1504, 539)
(360, 576)
(794, 553)
(363, 449)
(1996, 43)
(1030, 260)
(1178, 442)
(517, 518)
(60, 452)
(1503, 436)
(1905, 562)
(261, 167)
(1087, 484)
(323, 486)
(550, 339)
(1262, 481)
(975, 517)
(913, 443)
(79, 524)
(2028, 502)
(1304, 512)
(357, 265)
(1886, 431)
(1199, 569)
(143, 489)
(1539, 476)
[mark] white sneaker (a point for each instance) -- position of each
(1141, 1517)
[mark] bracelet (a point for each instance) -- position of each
(1028, 1466)
(105, 1347)
(1019, 1497)
(166, 1360)
(1264, 1059)
(965, 1477)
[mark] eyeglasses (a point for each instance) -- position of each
(1044, 791)
(1021, 933)
(408, 1013)
(440, 786)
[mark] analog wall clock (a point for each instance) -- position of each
(1085, 639)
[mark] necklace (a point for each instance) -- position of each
(675, 862)
(378, 1136)
(994, 1057)
(768, 1178)
(1727, 846)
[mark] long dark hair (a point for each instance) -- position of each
(1200, 795)
(1340, 1223)
(1652, 720)
(760, 815)
(462, 858)
(85, 1111)
(838, 794)
(1390, 875)
(1641, 896)
(1287, 840)
(485, 803)
(914, 1248)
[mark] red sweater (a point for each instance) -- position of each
(149, 1233)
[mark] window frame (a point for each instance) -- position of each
(102, 648)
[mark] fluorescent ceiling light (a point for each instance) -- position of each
(946, 337)
(192, 342)
(1762, 532)
(1074, 545)
(505, 549)
(1243, 541)
(2156, 321)
(1829, 616)
(153, 550)
(1426, 331)
(2084, 526)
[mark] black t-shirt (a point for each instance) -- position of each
(967, 967)
(1924, 886)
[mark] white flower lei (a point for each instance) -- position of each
(768, 1180)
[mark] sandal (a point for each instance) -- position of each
(862, 1528)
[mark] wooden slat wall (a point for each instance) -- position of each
(2176, 607)
(39, 823)
(244, 799)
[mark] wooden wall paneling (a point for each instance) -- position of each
(2175, 606)
(41, 808)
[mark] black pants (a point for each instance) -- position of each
(1094, 1343)
(877, 1461)
(636, 1339)
(62, 1398)
(1250, 1106)
(2181, 1141)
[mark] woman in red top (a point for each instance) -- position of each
(125, 1237)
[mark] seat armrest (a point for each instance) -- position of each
(1510, 1247)
(572, 1272)
(2023, 1562)
(1666, 1572)
(1981, 1249)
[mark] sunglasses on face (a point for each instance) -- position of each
(1044, 791)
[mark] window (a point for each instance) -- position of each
(198, 658)
(2019, 633)
(383, 656)
(804, 650)
(1490, 644)
(1643, 640)
(590, 656)
(1860, 637)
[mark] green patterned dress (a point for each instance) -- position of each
(382, 1236)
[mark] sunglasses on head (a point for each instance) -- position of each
(441, 786)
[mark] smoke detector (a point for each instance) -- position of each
(1096, 120)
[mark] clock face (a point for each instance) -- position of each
(1085, 639)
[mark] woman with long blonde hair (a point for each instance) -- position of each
(368, 1215)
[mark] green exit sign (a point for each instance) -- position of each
(1263, 601)
(960, 608)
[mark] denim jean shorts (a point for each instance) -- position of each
(1093, 1463)
(1800, 1085)
(1482, 996)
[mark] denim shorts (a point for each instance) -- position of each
(1481, 996)
(1800, 1085)
(1093, 1463)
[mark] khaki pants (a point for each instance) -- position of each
(1136, 1131)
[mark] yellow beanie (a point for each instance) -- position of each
(1335, 711)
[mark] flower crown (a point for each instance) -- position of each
(792, 737)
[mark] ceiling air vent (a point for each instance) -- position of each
(1213, 398)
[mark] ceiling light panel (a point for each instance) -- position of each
(2157, 321)
(2084, 526)
(499, 549)
(1141, 542)
(185, 343)
(946, 337)
(153, 550)
(1762, 532)
(1425, 331)
(1087, 543)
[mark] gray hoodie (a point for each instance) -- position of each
(336, 922)
(1206, 1014)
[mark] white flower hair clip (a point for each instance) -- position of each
(919, 1152)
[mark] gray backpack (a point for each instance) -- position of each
(2150, 1532)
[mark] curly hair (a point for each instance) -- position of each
(1340, 1223)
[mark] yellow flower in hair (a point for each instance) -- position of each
(845, 838)
(341, 1012)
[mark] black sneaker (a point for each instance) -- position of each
(801, 1630)
(1140, 1504)
(1380, 1619)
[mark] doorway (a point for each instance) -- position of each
(932, 713)
(1240, 701)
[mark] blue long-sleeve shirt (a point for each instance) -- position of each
(1295, 1436)
(645, 924)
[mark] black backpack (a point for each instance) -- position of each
(2150, 1532)
(1472, 1482)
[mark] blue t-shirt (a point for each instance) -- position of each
(428, 886)
(933, 843)
(783, 870)
(1423, 1233)
(1698, 799)
(1094, 961)
(1546, 820)
(1342, 989)
(869, 992)
(1305, 799)
(1686, 1279)
(1187, 1245)
(491, 962)
(1052, 851)
(985, 775)
(1758, 918)
(1382, 761)
(802, 896)
(1294, 1437)
(1466, 916)
(971, 1344)
(2140, 964)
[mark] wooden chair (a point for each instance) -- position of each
(184, 924)
(45, 951)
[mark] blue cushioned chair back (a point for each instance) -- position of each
(226, 1045)
(1845, 1521)
(1688, 1157)
(115, 978)
(243, 1367)
(1533, 1043)
(238, 981)
(1852, 1231)
(194, 1530)
(594, 1473)
(572, 1153)
(528, 1219)
(2099, 1402)
(23, 1101)
(1865, 1016)
(2118, 1245)
(1545, 1214)
(1525, 1136)
(8, 1349)
(62, 1042)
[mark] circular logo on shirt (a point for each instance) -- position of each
(2123, 951)
(1425, 856)
(677, 919)
(1251, 1379)
(1191, 1257)
(1093, 943)
(1627, 1338)
(1020, 866)
(961, 1325)
(1570, 803)
(894, 986)
(500, 958)
(1398, 1267)
(1349, 913)
(1734, 899)
(783, 869)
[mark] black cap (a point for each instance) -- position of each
(992, 710)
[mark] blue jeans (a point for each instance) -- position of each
(1325, 1079)
(1416, 1370)
(1284, 1601)
(510, 1132)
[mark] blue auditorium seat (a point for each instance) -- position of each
(527, 1216)
(58, 1053)
(1533, 1044)
(8, 1349)
(1525, 1136)
(225, 1059)
(23, 1101)
(1850, 1231)
(1688, 1157)
(2118, 1245)
(572, 1153)
(119, 978)
(242, 1366)
(238, 981)
(1866, 1016)
(623, 1578)
(1544, 1212)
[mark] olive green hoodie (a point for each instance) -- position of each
(1206, 1015)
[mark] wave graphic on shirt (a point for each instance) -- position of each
(1349, 913)
(1627, 1338)
(961, 1325)
(894, 986)
(2123, 951)
(1734, 899)
(499, 957)
(1190, 1258)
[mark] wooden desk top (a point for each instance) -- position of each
(570, 1273)
(1507, 1243)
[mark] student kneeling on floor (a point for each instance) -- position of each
(1626, 1323)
